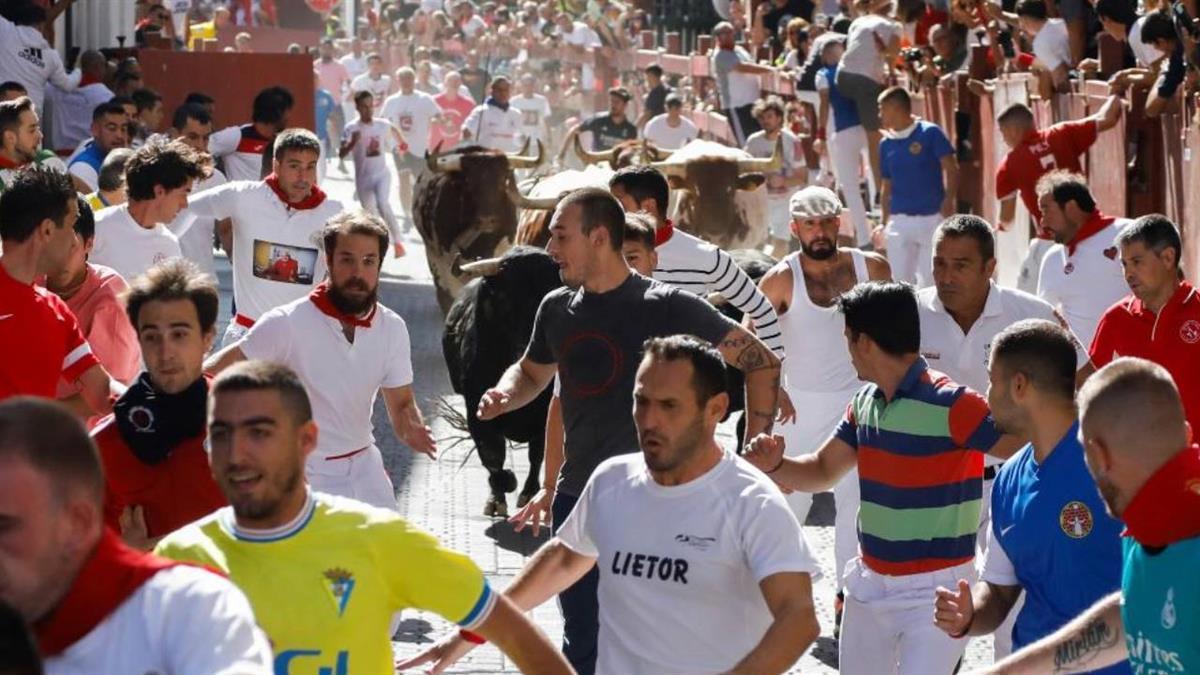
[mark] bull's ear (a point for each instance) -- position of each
(676, 182)
(750, 181)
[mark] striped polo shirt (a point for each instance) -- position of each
(920, 468)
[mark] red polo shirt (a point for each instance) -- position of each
(1170, 339)
(172, 493)
(1043, 151)
(40, 340)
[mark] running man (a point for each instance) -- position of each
(1147, 473)
(347, 348)
(681, 529)
(344, 566)
(371, 140)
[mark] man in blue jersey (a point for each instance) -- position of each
(1049, 533)
(1136, 442)
(918, 186)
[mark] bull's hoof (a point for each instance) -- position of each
(496, 507)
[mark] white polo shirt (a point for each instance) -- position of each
(659, 132)
(183, 621)
(129, 248)
(264, 230)
(197, 239)
(964, 357)
(342, 378)
(698, 550)
(494, 128)
(1084, 285)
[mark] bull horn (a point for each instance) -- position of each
(481, 268)
(523, 202)
(670, 168)
(588, 157)
(519, 160)
(437, 162)
(775, 163)
(658, 153)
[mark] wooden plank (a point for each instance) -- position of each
(643, 58)
(675, 64)
(1190, 224)
(699, 66)
(1173, 139)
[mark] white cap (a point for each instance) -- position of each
(815, 201)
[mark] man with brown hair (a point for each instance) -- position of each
(152, 446)
(347, 348)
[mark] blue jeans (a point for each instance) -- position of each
(580, 609)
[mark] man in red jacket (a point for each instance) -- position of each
(152, 446)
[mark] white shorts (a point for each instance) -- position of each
(361, 476)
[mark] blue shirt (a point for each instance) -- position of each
(914, 165)
(325, 105)
(91, 155)
(1161, 606)
(845, 112)
(1064, 547)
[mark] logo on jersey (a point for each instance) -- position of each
(1076, 520)
(341, 585)
(914, 148)
(695, 541)
(1168, 610)
(1111, 253)
(33, 55)
(1069, 268)
(1189, 332)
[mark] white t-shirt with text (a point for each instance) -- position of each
(412, 114)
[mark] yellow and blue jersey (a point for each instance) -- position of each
(325, 587)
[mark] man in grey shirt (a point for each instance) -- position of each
(738, 85)
(591, 334)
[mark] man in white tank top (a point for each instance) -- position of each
(818, 375)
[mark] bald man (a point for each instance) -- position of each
(1136, 444)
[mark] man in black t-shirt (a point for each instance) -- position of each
(590, 334)
(608, 129)
(656, 98)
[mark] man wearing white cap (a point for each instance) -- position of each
(818, 375)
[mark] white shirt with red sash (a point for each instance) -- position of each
(133, 612)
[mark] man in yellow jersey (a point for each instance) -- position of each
(325, 574)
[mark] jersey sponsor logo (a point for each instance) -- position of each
(645, 566)
(914, 148)
(283, 662)
(284, 263)
(1005, 530)
(1189, 332)
(1168, 610)
(1076, 520)
(1147, 657)
(936, 356)
(33, 55)
(340, 584)
(696, 541)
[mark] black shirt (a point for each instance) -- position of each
(606, 133)
(656, 100)
(476, 81)
(794, 9)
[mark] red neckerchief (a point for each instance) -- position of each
(1094, 224)
(312, 201)
(1167, 508)
(6, 163)
(320, 298)
(112, 574)
(663, 234)
(87, 79)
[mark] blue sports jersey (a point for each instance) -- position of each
(325, 104)
(845, 112)
(1159, 610)
(91, 155)
(913, 163)
(1064, 547)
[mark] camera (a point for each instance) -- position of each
(913, 54)
(1005, 38)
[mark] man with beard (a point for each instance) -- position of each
(1147, 473)
(152, 446)
(286, 210)
(96, 605)
(346, 347)
(818, 376)
(703, 568)
(325, 574)
(1049, 535)
(591, 333)
(109, 131)
(21, 140)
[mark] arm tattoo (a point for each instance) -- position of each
(751, 355)
(1073, 655)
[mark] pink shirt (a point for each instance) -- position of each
(456, 113)
(334, 77)
(102, 320)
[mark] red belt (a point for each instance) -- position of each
(243, 321)
(347, 455)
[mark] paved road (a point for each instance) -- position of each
(446, 497)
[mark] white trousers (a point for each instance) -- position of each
(374, 193)
(360, 477)
(910, 248)
(887, 623)
(846, 149)
(817, 415)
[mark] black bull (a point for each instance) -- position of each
(487, 330)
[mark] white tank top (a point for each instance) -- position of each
(813, 337)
